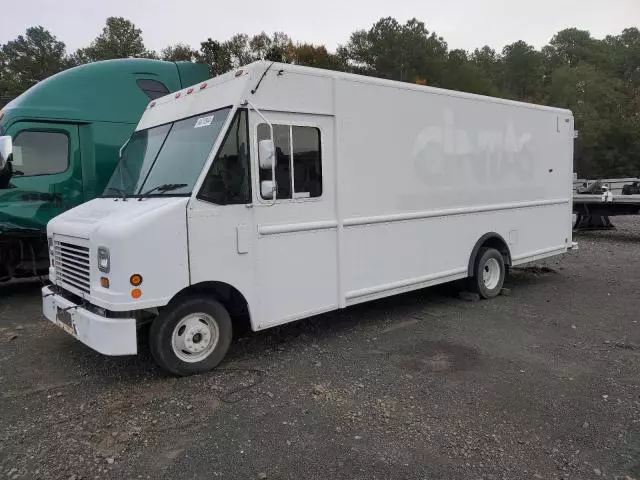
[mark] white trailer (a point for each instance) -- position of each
(278, 192)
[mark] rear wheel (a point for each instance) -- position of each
(489, 272)
(191, 336)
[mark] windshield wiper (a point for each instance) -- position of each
(165, 187)
(121, 192)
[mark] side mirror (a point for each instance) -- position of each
(6, 149)
(267, 189)
(266, 153)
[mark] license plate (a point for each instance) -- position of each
(63, 319)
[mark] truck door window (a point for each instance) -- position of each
(229, 180)
(307, 166)
(152, 88)
(40, 153)
(297, 148)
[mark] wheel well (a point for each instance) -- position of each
(489, 240)
(232, 299)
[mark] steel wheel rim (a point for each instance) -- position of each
(195, 337)
(491, 273)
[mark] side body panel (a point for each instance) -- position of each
(424, 175)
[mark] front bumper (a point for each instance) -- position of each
(109, 336)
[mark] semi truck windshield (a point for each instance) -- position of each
(173, 153)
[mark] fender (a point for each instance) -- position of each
(491, 239)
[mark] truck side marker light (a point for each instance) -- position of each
(203, 86)
(177, 95)
(136, 279)
(136, 293)
(104, 282)
(190, 91)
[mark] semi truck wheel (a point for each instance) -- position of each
(191, 336)
(488, 273)
(576, 219)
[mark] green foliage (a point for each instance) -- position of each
(406, 52)
(599, 80)
(215, 54)
(241, 50)
(29, 59)
(119, 39)
(275, 48)
(180, 52)
(572, 46)
(315, 56)
(464, 75)
(624, 53)
(522, 72)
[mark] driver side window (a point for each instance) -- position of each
(229, 179)
(40, 153)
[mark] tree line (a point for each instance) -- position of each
(598, 79)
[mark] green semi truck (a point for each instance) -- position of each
(66, 132)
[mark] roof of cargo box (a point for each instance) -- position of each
(108, 91)
(241, 84)
(279, 68)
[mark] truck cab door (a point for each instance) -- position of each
(47, 178)
(220, 220)
(297, 235)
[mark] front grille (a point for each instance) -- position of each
(71, 262)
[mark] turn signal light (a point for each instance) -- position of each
(104, 282)
(136, 279)
(136, 293)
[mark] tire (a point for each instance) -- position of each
(191, 336)
(488, 273)
(577, 218)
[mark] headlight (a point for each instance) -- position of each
(104, 262)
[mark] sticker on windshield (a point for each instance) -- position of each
(204, 121)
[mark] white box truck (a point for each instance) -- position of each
(276, 192)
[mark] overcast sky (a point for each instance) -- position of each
(463, 23)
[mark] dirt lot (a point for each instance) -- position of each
(543, 383)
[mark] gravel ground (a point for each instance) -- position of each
(542, 383)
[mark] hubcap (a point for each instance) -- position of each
(195, 337)
(491, 273)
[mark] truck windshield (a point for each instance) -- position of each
(172, 153)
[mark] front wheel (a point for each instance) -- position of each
(489, 272)
(191, 336)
